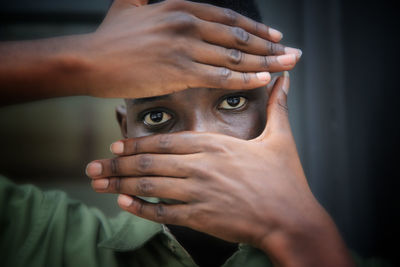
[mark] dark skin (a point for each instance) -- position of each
(234, 113)
(197, 109)
(250, 191)
(175, 39)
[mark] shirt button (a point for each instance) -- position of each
(172, 246)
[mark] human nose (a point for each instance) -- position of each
(201, 123)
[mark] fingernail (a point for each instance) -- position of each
(100, 184)
(298, 56)
(117, 147)
(263, 76)
(291, 50)
(125, 201)
(285, 86)
(275, 33)
(94, 169)
(287, 60)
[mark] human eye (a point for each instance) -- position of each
(156, 117)
(233, 102)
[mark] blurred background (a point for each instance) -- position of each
(343, 110)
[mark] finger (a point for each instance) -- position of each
(141, 165)
(162, 213)
(175, 143)
(271, 85)
(229, 17)
(235, 37)
(277, 109)
(160, 187)
(221, 77)
(236, 60)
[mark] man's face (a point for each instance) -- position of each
(236, 113)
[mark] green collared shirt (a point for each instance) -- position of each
(48, 229)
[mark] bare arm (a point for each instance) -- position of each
(146, 51)
(53, 67)
(253, 192)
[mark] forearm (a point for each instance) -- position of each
(54, 67)
(308, 244)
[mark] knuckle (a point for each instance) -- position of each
(184, 66)
(265, 61)
(173, 218)
(231, 16)
(182, 21)
(221, 77)
(273, 48)
(241, 36)
(270, 47)
(164, 142)
(235, 56)
(202, 170)
(160, 211)
(144, 187)
(178, 45)
(114, 165)
(136, 147)
(115, 184)
(174, 4)
(180, 55)
(223, 148)
(140, 208)
(144, 162)
(198, 171)
(216, 146)
(245, 77)
(195, 194)
(224, 74)
(282, 106)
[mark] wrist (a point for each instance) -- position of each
(100, 66)
(307, 243)
(72, 66)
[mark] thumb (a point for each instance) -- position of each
(277, 109)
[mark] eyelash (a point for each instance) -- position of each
(142, 117)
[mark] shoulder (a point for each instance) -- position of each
(48, 228)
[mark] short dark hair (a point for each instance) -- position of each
(247, 8)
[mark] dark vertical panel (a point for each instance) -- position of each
(372, 98)
(325, 109)
(345, 120)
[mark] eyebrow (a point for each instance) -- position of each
(143, 100)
